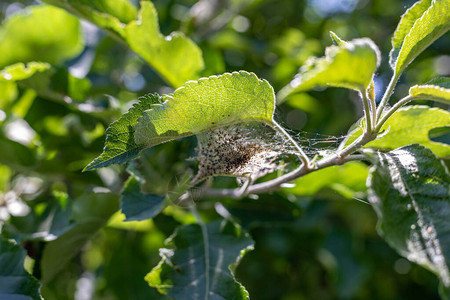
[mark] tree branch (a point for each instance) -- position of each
(339, 158)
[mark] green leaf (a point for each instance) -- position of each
(15, 282)
(198, 266)
(55, 83)
(409, 188)
(138, 206)
(419, 27)
(46, 221)
(91, 212)
(120, 146)
(175, 57)
(410, 124)
(347, 180)
(16, 155)
(20, 71)
(349, 65)
(437, 89)
(111, 15)
(205, 104)
(31, 35)
(336, 40)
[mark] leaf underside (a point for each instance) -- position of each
(349, 65)
(120, 146)
(206, 104)
(419, 27)
(199, 265)
(410, 124)
(409, 189)
(437, 89)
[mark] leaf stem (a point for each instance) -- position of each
(387, 95)
(367, 111)
(301, 154)
(373, 109)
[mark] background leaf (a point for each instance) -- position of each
(198, 266)
(138, 206)
(175, 57)
(208, 103)
(21, 71)
(420, 26)
(15, 282)
(409, 189)
(410, 124)
(349, 65)
(91, 212)
(32, 36)
(437, 89)
(120, 146)
(108, 14)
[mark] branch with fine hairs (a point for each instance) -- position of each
(339, 158)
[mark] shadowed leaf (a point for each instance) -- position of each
(409, 188)
(198, 266)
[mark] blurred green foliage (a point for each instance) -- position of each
(316, 242)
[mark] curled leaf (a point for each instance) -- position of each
(347, 64)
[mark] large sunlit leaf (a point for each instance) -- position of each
(40, 33)
(419, 27)
(120, 144)
(205, 104)
(15, 282)
(200, 263)
(91, 212)
(437, 89)
(410, 124)
(349, 65)
(409, 188)
(111, 15)
(175, 57)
